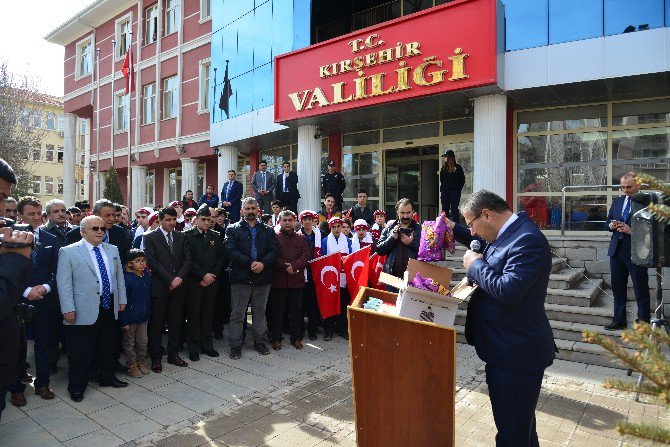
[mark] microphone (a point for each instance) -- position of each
(476, 246)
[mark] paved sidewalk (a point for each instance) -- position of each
(299, 398)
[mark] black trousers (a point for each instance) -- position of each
(85, 340)
(450, 201)
(46, 328)
(621, 266)
(3, 399)
(310, 308)
(199, 311)
(280, 299)
(170, 308)
(339, 322)
(221, 313)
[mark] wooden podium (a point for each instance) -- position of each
(403, 376)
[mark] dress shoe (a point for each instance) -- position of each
(157, 366)
(297, 344)
(218, 335)
(77, 397)
(193, 356)
(114, 383)
(313, 337)
(261, 348)
(327, 337)
(615, 326)
(45, 393)
(276, 345)
(177, 361)
(210, 352)
(235, 353)
(344, 335)
(18, 399)
(119, 368)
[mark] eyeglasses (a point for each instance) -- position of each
(469, 224)
(96, 228)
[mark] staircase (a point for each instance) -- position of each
(574, 303)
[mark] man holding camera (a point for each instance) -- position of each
(400, 241)
(15, 269)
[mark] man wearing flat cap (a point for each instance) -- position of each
(334, 183)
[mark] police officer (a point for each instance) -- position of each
(334, 183)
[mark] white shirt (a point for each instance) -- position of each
(105, 259)
(46, 286)
(285, 178)
(165, 235)
(509, 222)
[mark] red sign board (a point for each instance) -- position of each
(446, 48)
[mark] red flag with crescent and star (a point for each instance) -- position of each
(376, 264)
(357, 268)
(326, 274)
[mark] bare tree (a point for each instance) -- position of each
(18, 134)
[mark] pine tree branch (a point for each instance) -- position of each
(646, 431)
(652, 182)
(660, 212)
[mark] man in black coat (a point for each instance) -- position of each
(400, 242)
(361, 210)
(169, 259)
(251, 247)
(15, 270)
(57, 224)
(334, 183)
(287, 188)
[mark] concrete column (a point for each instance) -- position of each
(87, 158)
(69, 159)
(227, 161)
(309, 165)
(489, 159)
(139, 187)
(189, 175)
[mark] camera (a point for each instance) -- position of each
(9, 223)
(405, 231)
(26, 312)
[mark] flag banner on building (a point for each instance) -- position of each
(376, 265)
(326, 274)
(127, 70)
(357, 268)
(224, 101)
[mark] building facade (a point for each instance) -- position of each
(165, 121)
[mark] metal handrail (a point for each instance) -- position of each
(565, 188)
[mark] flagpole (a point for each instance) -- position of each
(111, 133)
(98, 193)
(130, 120)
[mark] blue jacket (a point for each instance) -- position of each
(506, 321)
(138, 294)
(213, 201)
(619, 239)
(235, 197)
(324, 245)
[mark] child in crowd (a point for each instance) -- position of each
(134, 318)
(380, 223)
(267, 219)
(276, 207)
(188, 218)
(346, 228)
(361, 238)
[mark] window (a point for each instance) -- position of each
(174, 184)
(82, 159)
(50, 152)
(84, 57)
(122, 36)
(48, 185)
(171, 16)
(120, 112)
(61, 123)
(83, 129)
(149, 104)
(149, 183)
(37, 119)
(51, 121)
(203, 102)
(37, 154)
(37, 184)
(60, 186)
(60, 154)
(151, 26)
(205, 11)
(25, 118)
(170, 97)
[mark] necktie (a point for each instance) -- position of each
(264, 185)
(169, 239)
(106, 297)
(105, 238)
(626, 210)
(228, 190)
(285, 183)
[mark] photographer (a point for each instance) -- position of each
(15, 268)
(400, 241)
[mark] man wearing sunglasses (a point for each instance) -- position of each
(90, 308)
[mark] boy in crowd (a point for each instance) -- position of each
(334, 242)
(134, 318)
(362, 238)
(276, 207)
(380, 223)
(312, 234)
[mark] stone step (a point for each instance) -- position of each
(456, 262)
(566, 278)
(597, 316)
(581, 294)
(566, 330)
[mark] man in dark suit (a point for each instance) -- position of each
(506, 321)
(57, 224)
(169, 259)
(263, 183)
(287, 188)
(231, 197)
(618, 222)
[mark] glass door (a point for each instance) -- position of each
(403, 180)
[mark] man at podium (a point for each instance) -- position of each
(506, 321)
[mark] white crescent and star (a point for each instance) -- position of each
(357, 264)
(325, 270)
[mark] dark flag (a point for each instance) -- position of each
(214, 96)
(224, 101)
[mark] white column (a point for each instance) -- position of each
(189, 175)
(69, 159)
(309, 165)
(227, 161)
(87, 158)
(101, 185)
(489, 160)
(139, 191)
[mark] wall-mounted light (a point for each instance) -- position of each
(318, 134)
(216, 152)
(181, 149)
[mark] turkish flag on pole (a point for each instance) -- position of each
(326, 274)
(357, 268)
(127, 70)
(376, 264)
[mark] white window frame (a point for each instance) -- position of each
(174, 12)
(36, 180)
(50, 148)
(149, 103)
(122, 37)
(79, 54)
(32, 153)
(203, 85)
(49, 185)
(61, 123)
(59, 186)
(205, 10)
(121, 102)
(173, 95)
(150, 24)
(60, 154)
(51, 118)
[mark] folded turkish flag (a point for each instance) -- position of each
(127, 71)
(376, 264)
(326, 274)
(356, 267)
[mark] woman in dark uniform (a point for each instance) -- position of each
(452, 179)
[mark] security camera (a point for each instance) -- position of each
(318, 134)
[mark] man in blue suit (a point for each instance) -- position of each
(506, 321)
(618, 222)
(231, 197)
